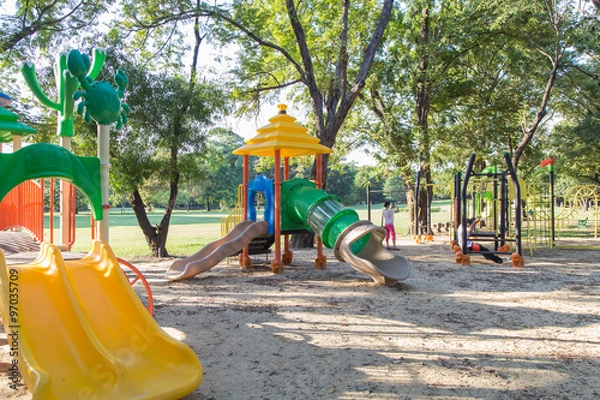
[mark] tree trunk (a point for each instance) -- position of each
(529, 131)
(330, 107)
(160, 249)
(425, 199)
(153, 234)
(422, 111)
(162, 230)
(156, 236)
(424, 206)
(411, 210)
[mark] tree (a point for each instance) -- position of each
(474, 72)
(307, 48)
(222, 169)
(412, 89)
(576, 145)
(368, 176)
(41, 23)
(312, 51)
(341, 183)
(395, 189)
(286, 45)
(544, 30)
(168, 119)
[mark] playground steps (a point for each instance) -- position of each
(20, 248)
(261, 244)
(17, 242)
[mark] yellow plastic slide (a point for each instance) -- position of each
(77, 330)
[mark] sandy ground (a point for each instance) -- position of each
(448, 332)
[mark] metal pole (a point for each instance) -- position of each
(428, 213)
(457, 202)
(65, 201)
(103, 155)
(277, 218)
(464, 188)
(416, 196)
(244, 260)
(503, 210)
(552, 208)
(369, 202)
(513, 175)
(286, 176)
(320, 186)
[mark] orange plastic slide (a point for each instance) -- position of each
(213, 253)
(77, 330)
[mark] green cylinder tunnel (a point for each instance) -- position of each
(303, 205)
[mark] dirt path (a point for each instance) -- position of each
(448, 332)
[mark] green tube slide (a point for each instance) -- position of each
(302, 204)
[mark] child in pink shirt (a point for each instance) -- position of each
(387, 217)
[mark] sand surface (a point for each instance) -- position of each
(448, 332)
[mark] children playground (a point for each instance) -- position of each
(245, 317)
(481, 332)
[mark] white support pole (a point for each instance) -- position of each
(65, 201)
(16, 142)
(103, 155)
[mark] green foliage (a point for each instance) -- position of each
(45, 25)
(370, 176)
(263, 66)
(222, 170)
(576, 145)
(484, 68)
(158, 125)
(395, 189)
(341, 183)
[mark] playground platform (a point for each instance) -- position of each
(20, 248)
(17, 242)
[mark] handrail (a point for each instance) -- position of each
(139, 277)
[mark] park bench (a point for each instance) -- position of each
(582, 223)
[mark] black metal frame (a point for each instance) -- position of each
(460, 206)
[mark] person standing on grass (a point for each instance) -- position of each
(387, 219)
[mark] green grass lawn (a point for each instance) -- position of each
(190, 231)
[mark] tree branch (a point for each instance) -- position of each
(275, 87)
(39, 24)
(262, 42)
(339, 84)
(309, 72)
(361, 77)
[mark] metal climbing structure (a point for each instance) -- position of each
(539, 214)
(495, 196)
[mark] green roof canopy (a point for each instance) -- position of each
(9, 126)
(45, 160)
